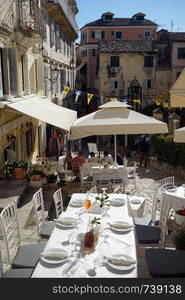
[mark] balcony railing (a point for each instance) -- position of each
(67, 11)
(8, 15)
(30, 17)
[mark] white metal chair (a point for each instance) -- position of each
(132, 175)
(14, 273)
(153, 234)
(18, 256)
(44, 228)
(57, 197)
(93, 190)
(169, 182)
(149, 216)
(117, 186)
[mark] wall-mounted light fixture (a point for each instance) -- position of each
(11, 138)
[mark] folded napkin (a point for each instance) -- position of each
(95, 209)
(60, 254)
(120, 225)
(135, 201)
(66, 221)
(121, 260)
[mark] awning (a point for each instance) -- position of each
(179, 135)
(177, 92)
(42, 109)
(81, 66)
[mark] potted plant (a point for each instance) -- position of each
(17, 168)
(179, 239)
(51, 180)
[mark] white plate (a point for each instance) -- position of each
(66, 225)
(121, 229)
(117, 201)
(52, 260)
(77, 203)
(121, 267)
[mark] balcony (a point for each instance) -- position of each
(61, 12)
(30, 28)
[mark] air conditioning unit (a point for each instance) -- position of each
(114, 69)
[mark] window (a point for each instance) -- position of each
(94, 52)
(148, 61)
(149, 84)
(116, 84)
(84, 36)
(84, 53)
(57, 37)
(178, 74)
(108, 17)
(112, 33)
(181, 53)
(147, 34)
(52, 32)
(98, 35)
(62, 79)
(114, 61)
(118, 35)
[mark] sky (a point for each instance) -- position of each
(168, 14)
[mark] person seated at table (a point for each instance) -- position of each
(93, 158)
(77, 161)
(107, 158)
(68, 160)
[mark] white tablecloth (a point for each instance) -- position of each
(177, 197)
(124, 242)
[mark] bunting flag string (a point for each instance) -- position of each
(66, 90)
(89, 97)
(78, 93)
(137, 101)
(164, 102)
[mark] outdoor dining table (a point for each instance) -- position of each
(177, 197)
(94, 264)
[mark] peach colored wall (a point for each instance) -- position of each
(128, 33)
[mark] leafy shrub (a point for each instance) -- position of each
(165, 149)
(179, 239)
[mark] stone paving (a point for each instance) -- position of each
(145, 180)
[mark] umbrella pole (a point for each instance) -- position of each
(115, 148)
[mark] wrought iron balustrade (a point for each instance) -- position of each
(31, 17)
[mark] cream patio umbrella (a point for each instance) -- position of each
(179, 135)
(177, 92)
(114, 118)
(177, 99)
